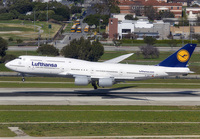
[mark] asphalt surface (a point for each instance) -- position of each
(115, 96)
(106, 48)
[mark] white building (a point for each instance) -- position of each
(125, 27)
(141, 28)
(47, 0)
(192, 12)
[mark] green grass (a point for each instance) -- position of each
(19, 53)
(95, 108)
(137, 58)
(27, 29)
(68, 27)
(107, 114)
(4, 28)
(105, 129)
(48, 82)
(5, 132)
(3, 68)
(100, 116)
(110, 129)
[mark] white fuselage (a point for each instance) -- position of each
(68, 67)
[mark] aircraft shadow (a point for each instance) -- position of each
(104, 93)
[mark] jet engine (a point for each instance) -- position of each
(106, 82)
(82, 80)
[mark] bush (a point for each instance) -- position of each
(10, 39)
(19, 40)
(48, 50)
(131, 41)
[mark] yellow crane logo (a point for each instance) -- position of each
(183, 55)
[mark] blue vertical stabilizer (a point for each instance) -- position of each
(180, 58)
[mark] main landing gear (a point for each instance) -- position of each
(94, 85)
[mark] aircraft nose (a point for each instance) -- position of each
(7, 64)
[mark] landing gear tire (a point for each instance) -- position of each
(23, 79)
(94, 85)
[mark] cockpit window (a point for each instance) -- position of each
(19, 58)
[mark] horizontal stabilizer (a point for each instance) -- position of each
(118, 59)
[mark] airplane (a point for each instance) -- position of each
(103, 74)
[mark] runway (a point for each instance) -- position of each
(88, 96)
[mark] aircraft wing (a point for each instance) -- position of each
(118, 59)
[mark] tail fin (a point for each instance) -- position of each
(180, 58)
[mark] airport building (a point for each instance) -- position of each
(140, 28)
(46, 0)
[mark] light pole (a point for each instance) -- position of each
(47, 20)
(34, 20)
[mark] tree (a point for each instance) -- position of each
(183, 22)
(99, 8)
(8, 57)
(107, 7)
(39, 6)
(150, 12)
(112, 6)
(149, 51)
(83, 49)
(7, 16)
(63, 11)
(96, 52)
(21, 6)
(149, 40)
(76, 9)
(129, 17)
(197, 37)
(77, 1)
(92, 19)
(95, 20)
(105, 35)
(48, 50)
(3, 47)
(165, 14)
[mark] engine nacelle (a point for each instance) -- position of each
(82, 80)
(106, 82)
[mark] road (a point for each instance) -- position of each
(115, 96)
(106, 48)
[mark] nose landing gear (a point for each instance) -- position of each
(94, 85)
(23, 78)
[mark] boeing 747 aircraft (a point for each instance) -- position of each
(103, 74)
